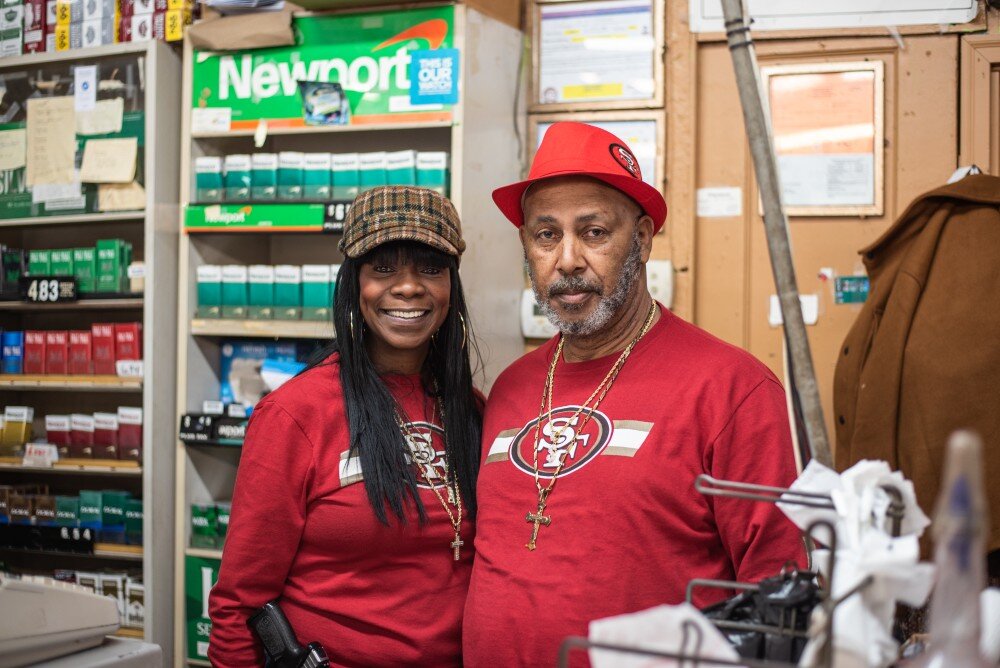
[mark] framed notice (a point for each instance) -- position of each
(596, 54)
(829, 126)
(641, 131)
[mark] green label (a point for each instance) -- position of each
(254, 217)
(368, 54)
(850, 289)
(200, 576)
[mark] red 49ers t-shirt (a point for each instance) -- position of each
(628, 530)
(302, 530)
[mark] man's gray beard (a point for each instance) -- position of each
(607, 306)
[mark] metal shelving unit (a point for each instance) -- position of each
(477, 137)
(154, 235)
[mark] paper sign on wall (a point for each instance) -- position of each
(85, 87)
(12, 149)
(51, 140)
(109, 160)
(104, 118)
(121, 197)
(720, 202)
(810, 310)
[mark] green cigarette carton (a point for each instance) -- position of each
(91, 509)
(371, 170)
(113, 256)
(113, 508)
(316, 176)
(261, 292)
(264, 177)
(85, 269)
(39, 263)
(67, 511)
(133, 521)
(290, 175)
(209, 291)
(316, 296)
(204, 525)
(208, 179)
(346, 179)
(61, 262)
(432, 171)
(237, 177)
(401, 168)
(287, 292)
(235, 293)
(222, 518)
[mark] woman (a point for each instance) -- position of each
(354, 499)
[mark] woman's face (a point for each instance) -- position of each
(403, 305)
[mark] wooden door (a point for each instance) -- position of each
(979, 97)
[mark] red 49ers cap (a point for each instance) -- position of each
(578, 149)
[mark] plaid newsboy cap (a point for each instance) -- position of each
(401, 213)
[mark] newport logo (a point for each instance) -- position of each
(567, 437)
(248, 79)
(216, 215)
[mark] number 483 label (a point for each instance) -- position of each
(48, 289)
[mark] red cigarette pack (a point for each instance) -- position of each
(81, 436)
(79, 353)
(130, 433)
(106, 435)
(102, 341)
(128, 341)
(57, 352)
(57, 432)
(34, 352)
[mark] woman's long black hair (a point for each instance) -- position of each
(371, 409)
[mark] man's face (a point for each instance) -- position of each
(585, 244)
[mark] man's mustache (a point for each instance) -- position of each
(574, 285)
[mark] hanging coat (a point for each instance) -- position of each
(923, 357)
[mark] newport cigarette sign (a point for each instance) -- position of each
(369, 54)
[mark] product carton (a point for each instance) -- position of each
(113, 586)
(235, 292)
(135, 600)
(105, 435)
(209, 291)
(57, 352)
(57, 432)
(372, 170)
(204, 525)
(34, 352)
(82, 436)
(432, 171)
(264, 177)
(85, 269)
(113, 515)
(97, 32)
(287, 292)
(80, 363)
(317, 299)
(128, 341)
(11, 30)
(44, 510)
(112, 259)
(69, 11)
(61, 262)
(13, 352)
(133, 521)
(344, 170)
(169, 25)
(67, 511)
(237, 177)
(20, 508)
(34, 26)
(401, 168)
(209, 185)
(130, 433)
(316, 176)
(261, 292)
(136, 7)
(99, 9)
(39, 263)
(290, 175)
(68, 36)
(136, 28)
(17, 422)
(223, 509)
(91, 510)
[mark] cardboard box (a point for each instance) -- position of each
(13, 352)
(133, 521)
(239, 368)
(209, 291)
(137, 28)
(106, 435)
(67, 511)
(344, 168)
(261, 283)
(99, 9)
(401, 168)
(372, 170)
(81, 436)
(316, 297)
(264, 177)
(316, 176)
(130, 433)
(58, 433)
(80, 363)
(34, 352)
(61, 262)
(432, 171)
(102, 339)
(287, 292)
(112, 260)
(235, 291)
(39, 263)
(69, 12)
(69, 36)
(128, 341)
(57, 352)
(85, 269)
(98, 32)
(11, 30)
(91, 510)
(237, 175)
(290, 175)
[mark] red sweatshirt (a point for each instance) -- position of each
(302, 529)
(628, 530)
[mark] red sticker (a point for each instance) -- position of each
(625, 158)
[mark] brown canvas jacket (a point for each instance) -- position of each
(923, 357)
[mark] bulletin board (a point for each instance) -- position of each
(642, 131)
(596, 54)
(829, 128)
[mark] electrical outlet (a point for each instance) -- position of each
(660, 280)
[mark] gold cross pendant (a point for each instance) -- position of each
(456, 546)
(539, 520)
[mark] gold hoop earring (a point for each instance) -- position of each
(465, 332)
(350, 324)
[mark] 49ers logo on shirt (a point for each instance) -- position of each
(567, 437)
(431, 461)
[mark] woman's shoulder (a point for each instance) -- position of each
(315, 389)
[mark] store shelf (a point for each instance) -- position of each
(35, 59)
(253, 217)
(274, 130)
(29, 383)
(102, 555)
(203, 552)
(199, 662)
(79, 305)
(269, 329)
(127, 632)
(113, 550)
(73, 218)
(103, 467)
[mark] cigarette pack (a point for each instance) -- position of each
(344, 170)
(57, 432)
(57, 352)
(235, 291)
(82, 436)
(287, 292)
(67, 511)
(372, 169)
(91, 509)
(316, 297)
(128, 341)
(13, 352)
(79, 353)
(102, 337)
(130, 433)
(85, 269)
(401, 168)
(34, 352)
(105, 435)
(261, 292)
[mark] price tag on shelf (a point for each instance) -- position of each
(48, 289)
(211, 119)
(129, 368)
(40, 454)
(335, 215)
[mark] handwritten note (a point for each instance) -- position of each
(12, 149)
(109, 160)
(104, 119)
(51, 142)
(121, 197)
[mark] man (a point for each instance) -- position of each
(592, 443)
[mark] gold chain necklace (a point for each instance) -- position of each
(538, 519)
(453, 493)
